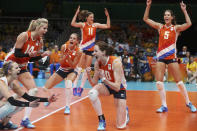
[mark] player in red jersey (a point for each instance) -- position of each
(27, 48)
(109, 69)
(70, 56)
(88, 37)
(166, 53)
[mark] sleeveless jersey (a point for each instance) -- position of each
(167, 43)
(71, 53)
(88, 37)
(107, 69)
(29, 46)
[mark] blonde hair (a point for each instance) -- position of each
(6, 66)
(37, 23)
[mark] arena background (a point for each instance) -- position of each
(20, 12)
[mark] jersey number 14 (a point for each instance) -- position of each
(29, 49)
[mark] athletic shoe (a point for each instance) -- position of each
(27, 124)
(191, 107)
(10, 126)
(127, 113)
(102, 125)
(75, 91)
(162, 109)
(67, 110)
(46, 104)
(79, 91)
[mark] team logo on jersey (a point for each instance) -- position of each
(74, 53)
(109, 66)
(172, 28)
(36, 43)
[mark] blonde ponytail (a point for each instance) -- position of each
(37, 23)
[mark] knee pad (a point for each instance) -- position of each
(159, 85)
(179, 83)
(93, 94)
(78, 69)
(68, 84)
(6, 110)
(33, 91)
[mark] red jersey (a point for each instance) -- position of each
(167, 42)
(69, 53)
(108, 71)
(29, 46)
(88, 37)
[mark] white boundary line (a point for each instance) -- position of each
(54, 112)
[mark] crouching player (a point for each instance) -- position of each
(109, 69)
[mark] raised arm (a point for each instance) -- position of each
(73, 22)
(108, 23)
(188, 23)
(146, 19)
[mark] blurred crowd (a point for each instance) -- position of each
(134, 42)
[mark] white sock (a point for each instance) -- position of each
(97, 106)
(27, 112)
(183, 91)
(68, 92)
(31, 92)
(84, 78)
(162, 92)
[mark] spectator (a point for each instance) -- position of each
(143, 65)
(135, 63)
(183, 52)
(185, 60)
(191, 70)
(127, 68)
(54, 59)
(125, 55)
(2, 54)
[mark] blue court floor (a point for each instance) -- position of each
(131, 85)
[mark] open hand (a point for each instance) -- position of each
(183, 6)
(52, 98)
(34, 103)
(148, 2)
(106, 12)
(78, 10)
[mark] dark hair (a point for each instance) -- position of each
(172, 14)
(83, 15)
(6, 66)
(105, 47)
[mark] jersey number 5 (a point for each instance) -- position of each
(166, 34)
